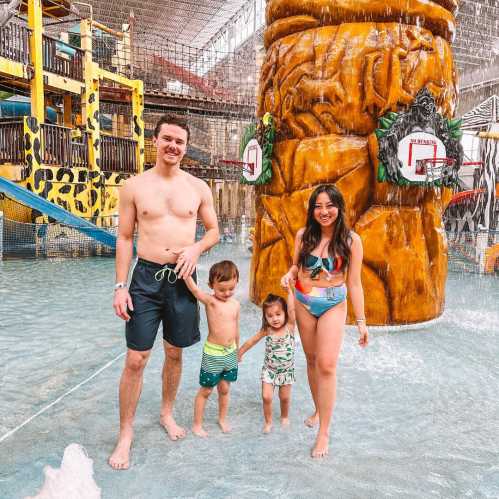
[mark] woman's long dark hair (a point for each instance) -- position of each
(341, 240)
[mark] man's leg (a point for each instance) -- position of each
(130, 388)
(172, 372)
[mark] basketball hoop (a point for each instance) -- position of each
(245, 167)
(434, 168)
(474, 164)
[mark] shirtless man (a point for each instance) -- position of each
(165, 203)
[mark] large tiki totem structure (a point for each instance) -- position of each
(332, 69)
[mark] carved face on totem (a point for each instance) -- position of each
(424, 107)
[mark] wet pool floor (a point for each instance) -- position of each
(416, 417)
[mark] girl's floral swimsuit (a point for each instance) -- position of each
(279, 363)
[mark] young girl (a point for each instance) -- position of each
(278, 325)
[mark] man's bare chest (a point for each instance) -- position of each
(162, 203)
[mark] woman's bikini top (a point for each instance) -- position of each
(315, 265)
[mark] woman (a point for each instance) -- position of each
(327, 261)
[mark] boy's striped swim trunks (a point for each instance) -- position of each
(219, 362)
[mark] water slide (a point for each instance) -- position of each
(36, 202)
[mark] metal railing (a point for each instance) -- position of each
(62, 59)
(14, 43)
(56, 142)
(59, 148)
(79, 151)
(118, 154)
(216, 172)
(12, 142)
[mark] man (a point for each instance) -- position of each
(165, 203)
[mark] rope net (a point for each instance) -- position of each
(38, 236)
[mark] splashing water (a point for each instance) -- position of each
(74, 479)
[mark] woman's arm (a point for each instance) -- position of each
(292, 273)
(354, 284)
(203, 297)
(291, 308)
(251, 343)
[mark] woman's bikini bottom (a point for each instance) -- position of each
(319, 300)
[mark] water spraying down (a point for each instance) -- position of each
(341, 77)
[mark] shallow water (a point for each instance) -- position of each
(416, 416)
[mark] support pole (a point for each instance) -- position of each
(68, 110)
(33, 154)
(35, 44)
(138, 122)
(90, 109)
(1, 235)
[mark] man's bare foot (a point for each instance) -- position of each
(311, 421)
(321, 447)
(284, 422)
(267, 428)
(225, 427)
(120, 458)
(199, 431)
(175, 432)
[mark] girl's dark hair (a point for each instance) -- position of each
(341, 240)
(273, 300)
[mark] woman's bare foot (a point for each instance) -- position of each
(311, 421)
(225, 427)
(120, 458)
(267, 427)
(174, 431)
(199, 431)
(285, 422)
(321, 447)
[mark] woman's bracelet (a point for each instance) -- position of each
(360, 321)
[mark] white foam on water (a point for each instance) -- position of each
(73, 480)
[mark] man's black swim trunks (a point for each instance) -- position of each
(158, 296)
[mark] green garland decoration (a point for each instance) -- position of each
(264, 132)
(385, 124)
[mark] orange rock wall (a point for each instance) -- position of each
(326, 86)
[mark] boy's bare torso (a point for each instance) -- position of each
(166, 214)
(222, 318)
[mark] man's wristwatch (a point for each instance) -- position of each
(120, 285)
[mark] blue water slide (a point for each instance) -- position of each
(36, 202)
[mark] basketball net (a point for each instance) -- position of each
(245, 167)
(434, 168)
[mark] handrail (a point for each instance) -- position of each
(118, 154)
(68, 64)
(59, 148)
(14, 43)
(12, 142)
